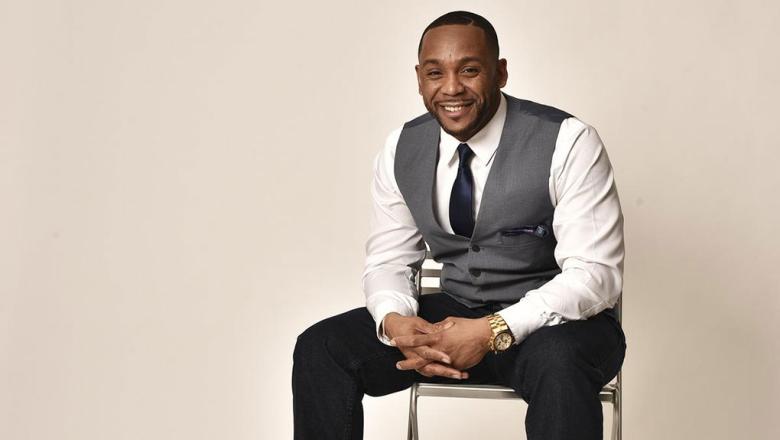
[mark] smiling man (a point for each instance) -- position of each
(517, 200)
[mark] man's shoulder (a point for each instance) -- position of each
(536, 109)
(419, 120)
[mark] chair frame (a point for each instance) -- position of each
(611, 393)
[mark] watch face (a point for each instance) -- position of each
(503, 341)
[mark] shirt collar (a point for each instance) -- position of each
(484, 143)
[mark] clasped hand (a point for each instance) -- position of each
(446, 348)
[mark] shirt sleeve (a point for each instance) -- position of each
(395, 249)
(588, 225)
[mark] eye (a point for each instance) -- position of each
(434, 73)
(471, 71)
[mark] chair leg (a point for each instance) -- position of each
(614, 435)
(412, 428)
(620, 414)
(617, 416)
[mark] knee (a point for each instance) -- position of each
(329, 338)
(312, 340)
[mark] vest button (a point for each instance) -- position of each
(475, 248)
(475, 272)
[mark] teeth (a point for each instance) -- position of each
(453, 108)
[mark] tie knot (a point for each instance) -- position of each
(464, 153)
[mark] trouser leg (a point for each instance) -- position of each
(559, 370)
(339, 359)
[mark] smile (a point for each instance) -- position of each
(455, 109)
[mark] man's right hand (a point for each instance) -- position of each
(427, 361)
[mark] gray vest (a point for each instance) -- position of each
(511, 249)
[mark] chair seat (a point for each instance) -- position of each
(490, 391)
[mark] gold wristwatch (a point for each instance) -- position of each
(502, 338)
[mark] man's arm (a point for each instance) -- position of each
(588, 225)
(395, 251)
(395, 248)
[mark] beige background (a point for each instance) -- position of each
(184, 189)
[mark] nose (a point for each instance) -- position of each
(452, 85)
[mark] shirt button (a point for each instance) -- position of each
(475, 248)
(475, 272)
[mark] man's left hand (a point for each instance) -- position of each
(465, 342)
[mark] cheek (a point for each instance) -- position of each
(431, 90)
(480, 88)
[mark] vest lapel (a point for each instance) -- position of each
(493, 192)
(424, 149)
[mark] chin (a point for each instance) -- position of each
(459, 131)
(454, 129)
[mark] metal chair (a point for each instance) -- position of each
(431, 272)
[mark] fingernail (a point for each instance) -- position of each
(392, 342)
(446, 359)
(456, 376)
(448, 324)
(398, 365)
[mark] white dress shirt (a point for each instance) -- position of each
(587, 223)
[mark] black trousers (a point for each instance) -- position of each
(558, 370)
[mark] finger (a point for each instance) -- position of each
(424, 373)
(437, 369)
(431, 354)
(446, 320)
(421, 356)
(415, 340)
(412, 364)
(427, 327)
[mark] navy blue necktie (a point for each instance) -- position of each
(462, 196)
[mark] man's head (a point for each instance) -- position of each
(459, 73)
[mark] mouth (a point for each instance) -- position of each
(455, 110)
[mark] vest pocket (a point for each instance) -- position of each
(519, 241)
(523, 236)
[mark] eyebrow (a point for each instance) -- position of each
(462, 60)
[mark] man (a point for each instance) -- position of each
(517, 201)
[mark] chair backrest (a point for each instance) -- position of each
(428, 280)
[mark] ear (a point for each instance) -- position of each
(501, 72)
(419, 80)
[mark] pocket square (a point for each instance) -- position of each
(540, 231)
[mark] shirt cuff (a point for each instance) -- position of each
(524, 318)
(382, 303)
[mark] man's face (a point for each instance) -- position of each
(459, 78)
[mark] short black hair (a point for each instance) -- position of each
(465, 18)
